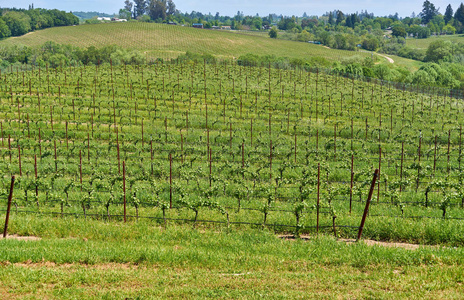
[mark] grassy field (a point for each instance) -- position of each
(424, 43)
(166, 41)
(99, 260)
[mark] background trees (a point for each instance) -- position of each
(428, 12)
(15, 22)
(157, 10)
(140, 7)
(18, 22)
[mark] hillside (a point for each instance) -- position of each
(424, 43)
(165, 41)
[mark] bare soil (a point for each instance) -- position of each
(21, 238)
(406, 246)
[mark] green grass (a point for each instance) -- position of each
(409, 64)
(94, 260)
(166, 41)
(424, 43)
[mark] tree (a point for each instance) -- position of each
(339, 41)
(423, 32)
(128, 5)
(428, 12)
(331, 18)
(348, 22)
(4, 30)
(340, 17)
(170, 8)
(140, 7)
(303, 36)
(324, 37)
(273, 33)
(448, 29)
(18, 22)
(370, 44)
(257, 23)
(448, 14)
(399, 31)
(439, 51)
(124, 14)
(157, 10)
(287, 23)
(459, 14)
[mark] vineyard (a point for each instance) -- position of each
(168, 42)
(288, 150)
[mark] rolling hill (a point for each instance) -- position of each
(167, 41)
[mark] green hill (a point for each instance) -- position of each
(167, 41)
(424, 43)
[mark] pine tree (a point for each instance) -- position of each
(331, 18)
(448, 14)
(459, 14)
(340, 17)
(428, 12)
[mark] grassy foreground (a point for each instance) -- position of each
(90, 259)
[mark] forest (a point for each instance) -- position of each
(16, 22)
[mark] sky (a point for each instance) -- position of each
(262, 7)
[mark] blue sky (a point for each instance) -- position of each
(263, 7)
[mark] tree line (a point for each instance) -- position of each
(16, 22)
(146, 10)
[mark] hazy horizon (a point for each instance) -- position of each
(263, 8)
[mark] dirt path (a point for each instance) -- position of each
(390, 60)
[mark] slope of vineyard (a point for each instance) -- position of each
(284, 149)
(167, 41)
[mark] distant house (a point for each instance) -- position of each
(103, 19)
(118, 20)
(172, 23)
(225, 27)
(197, 25)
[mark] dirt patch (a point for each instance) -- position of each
(49, 264)
(367, 242)
(22, 238)
(290, 237)
(238, 274)
(386, 244)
